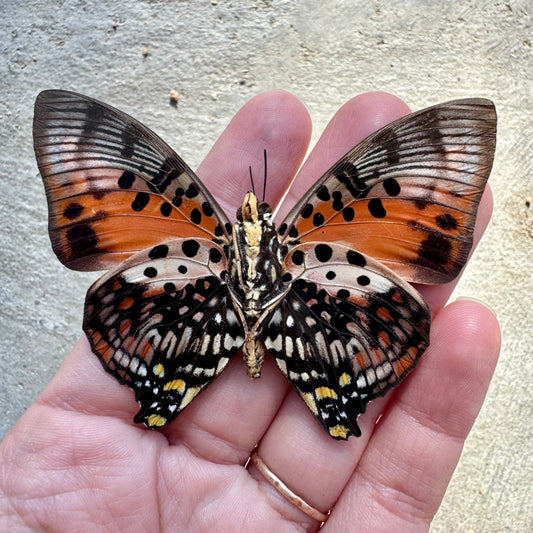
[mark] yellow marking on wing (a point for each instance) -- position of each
(325, 392)
(156, 421)
(175, 384)
(345, 379)
(309, 399)
(189, 396)
(159, 369)
(339, 431)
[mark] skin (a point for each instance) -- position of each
(76, 462)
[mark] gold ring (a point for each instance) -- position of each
(287, 493)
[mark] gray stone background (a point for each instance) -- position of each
(219, 54)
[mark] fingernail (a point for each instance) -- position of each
(477, 300)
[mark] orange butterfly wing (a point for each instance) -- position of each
(113, 186)
(408, 194)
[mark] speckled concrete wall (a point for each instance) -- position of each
(219, 54)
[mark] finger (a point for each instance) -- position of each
(402, 479)
(294, 425)
(274, 121)
(226, 421)
(81, 385)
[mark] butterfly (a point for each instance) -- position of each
(327, 294)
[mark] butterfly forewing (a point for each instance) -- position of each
(408, 194)
(347, 332)
(163, 324)
(106, 174)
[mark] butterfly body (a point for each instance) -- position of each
(326, 294)
(255, 275)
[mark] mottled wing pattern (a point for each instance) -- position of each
(113, 186)
(408, 194)
(162, 323)
(347, 332)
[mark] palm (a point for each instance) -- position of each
(77, 461)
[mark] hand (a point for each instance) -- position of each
(75, 460)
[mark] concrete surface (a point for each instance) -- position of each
(218, 55)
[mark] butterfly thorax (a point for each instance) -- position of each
(255, 268)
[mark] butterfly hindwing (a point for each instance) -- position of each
(162, 323)
(113, 186)
(347, 332)
(408, 194)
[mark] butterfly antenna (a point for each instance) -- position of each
(265, 180)
(251, 179)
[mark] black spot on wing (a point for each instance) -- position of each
(298, 257)
(141, 201)
(126, 179)
(73, 211)
(166, 209)
(207, 210)
(196, 216)
(82, 240)
(355, 258)
(293, 232)
(192, 191)
(150, 272)
(363, 280)
(447, 222)
(337, 203)
(190, 247)
(318, 219)
(435, 250)
(323, 252)
(307, 211)
(287, 277)
(376, 209)
(178, 197)
(158, 252)
(343, 294)
(323, 194)
(392, 187)
(214, 255)
(348, 214)
(169, 287)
